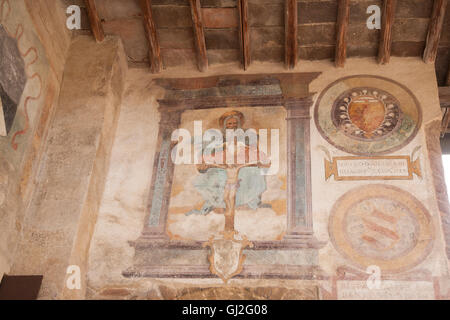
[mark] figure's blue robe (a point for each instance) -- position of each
(211, 185)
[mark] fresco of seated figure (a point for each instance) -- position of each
(212, 181)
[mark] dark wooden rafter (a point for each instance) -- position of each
(291, 32)
(445, 122)
(342, 26)
(199, 35)
(96, 24)
(444, 100)
(244, 33)
(434, 31)
(152, 37)
(387, 22)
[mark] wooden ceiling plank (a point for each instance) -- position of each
(342, 26)
(447, 83)
(444, 99)
(445, 122)
(244, 33)
(291, 31)
(199, 35)
(96, 24)
(152, 37)
(434, 31)
(387, 23)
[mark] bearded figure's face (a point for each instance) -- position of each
(232, 123)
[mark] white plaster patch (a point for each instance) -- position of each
(196, 227)
(262, 224)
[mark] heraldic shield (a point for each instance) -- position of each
(226, 258)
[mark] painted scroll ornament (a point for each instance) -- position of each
(367, 115)
(351, 168)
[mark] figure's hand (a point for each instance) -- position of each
(264, 165)
(202, 167)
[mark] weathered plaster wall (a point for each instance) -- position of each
(63, 210)
(122, 212)
(420, 79)
(43, 42)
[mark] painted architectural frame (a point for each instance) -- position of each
(156, 254)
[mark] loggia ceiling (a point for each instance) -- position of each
(317, 26)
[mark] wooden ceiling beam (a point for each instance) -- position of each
(152, 37)
(434, 31)
(94, 19)
(199, 35)
(244, 33)
(387, 22)
(291, 32)
(342, 26)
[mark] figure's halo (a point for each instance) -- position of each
(233, 113)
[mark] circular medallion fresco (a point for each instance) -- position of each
(383, 226)
(367, 115)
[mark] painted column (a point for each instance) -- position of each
(299, 218)
(161, 185)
